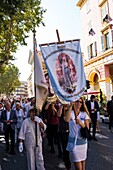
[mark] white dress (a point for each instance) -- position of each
(79, 152)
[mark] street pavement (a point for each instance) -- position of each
(100, 154)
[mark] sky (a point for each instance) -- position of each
(61, 15)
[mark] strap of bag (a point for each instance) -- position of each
(36, 134)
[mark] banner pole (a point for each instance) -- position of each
(36, 111)
(34, 48)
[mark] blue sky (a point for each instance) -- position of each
(62, 15)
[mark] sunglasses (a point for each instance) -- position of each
(79, 101)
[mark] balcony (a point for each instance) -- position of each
(101, 2)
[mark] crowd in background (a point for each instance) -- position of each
(63, 122)
(21, 108)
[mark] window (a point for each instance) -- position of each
(107, 40)
(91, 32)
(89, 25)
(90, 28)
(104, 13)
(88, 6)
(92, 50)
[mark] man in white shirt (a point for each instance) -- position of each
(30, 133)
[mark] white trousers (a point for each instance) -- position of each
(35, 158)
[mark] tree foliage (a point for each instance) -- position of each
(17, 19)
(9, 80)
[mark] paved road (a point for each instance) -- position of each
(100, 155)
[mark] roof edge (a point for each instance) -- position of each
(80, 3)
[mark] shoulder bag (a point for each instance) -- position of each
(85, 133)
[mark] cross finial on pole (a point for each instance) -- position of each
(58, 35)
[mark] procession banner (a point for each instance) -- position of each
(65, 68)
(41, 88)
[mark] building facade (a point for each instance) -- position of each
(22, 90)
(97, 40)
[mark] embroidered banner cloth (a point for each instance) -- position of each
(65, 69)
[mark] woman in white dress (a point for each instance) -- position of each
(78, 117)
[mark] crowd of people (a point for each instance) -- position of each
(12, 115)
(61, 123)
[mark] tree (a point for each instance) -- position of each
(9, 80)
(17, 19)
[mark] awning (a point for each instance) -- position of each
(92, 92)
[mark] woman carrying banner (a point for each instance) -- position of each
(78, 117)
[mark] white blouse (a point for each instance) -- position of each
(75, 128)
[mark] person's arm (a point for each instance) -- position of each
(54, 109)
(21, 136)
(23, 131)
(20, 145)
(47, 105)
(68, 114)
(3, 118)
(59, 113)
(87, 120)
(42, 126)
(87, 123)
(76, 110)
(80, 123)
(41, 123)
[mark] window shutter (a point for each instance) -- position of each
(111, 38)
(102, 42)
(95, 49)
(88, 50)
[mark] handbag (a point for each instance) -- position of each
(85, 133)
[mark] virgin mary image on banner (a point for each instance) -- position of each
(66, 72)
